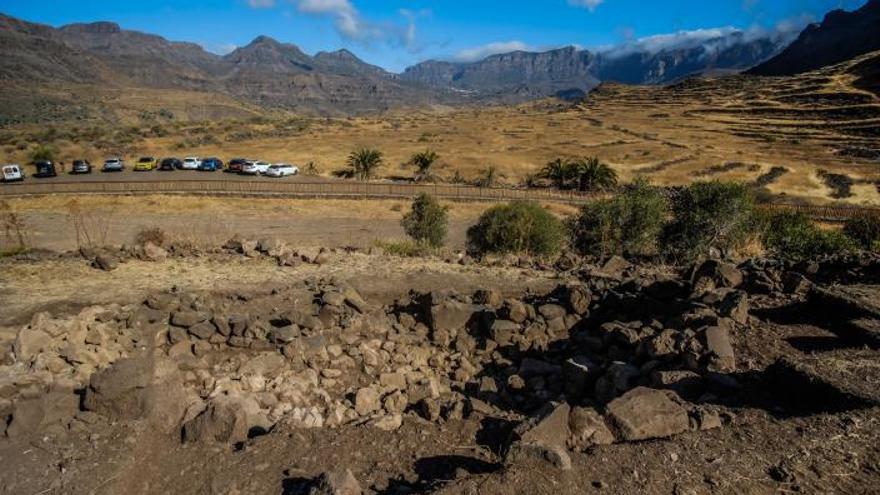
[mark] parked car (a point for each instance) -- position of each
(282, 170)
(191, 163)
(45, 168)
(235, 165)
(145, 164)
(211, 165)
(81, 167)
(12, 173)
(114, 165)
(170, 164)
(255, 167)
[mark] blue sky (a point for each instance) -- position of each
(396, 34)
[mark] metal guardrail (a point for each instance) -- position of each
(292, 189)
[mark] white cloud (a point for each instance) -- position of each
(590, 5)
(712, 40)
(261, 4)
(481, 52)
(351, 25)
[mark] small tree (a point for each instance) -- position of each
(709, 215)
(427, 222)
(364, 162)
(592, 175)
(423, 162)
(793, 235)
(43, 152)
(629, 224)
(518, 227)
(558, 171)
(865, 230)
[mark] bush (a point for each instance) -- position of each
(404, 249)
(427, 222)
(154, 235)
(709, 215)
(518, 227)
(44, 152)
(793, 235)
(865, 231)
(629, 224)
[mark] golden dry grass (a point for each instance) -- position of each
(670, 135)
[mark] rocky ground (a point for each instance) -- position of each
(757, 377)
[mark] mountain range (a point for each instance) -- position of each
(37, 60)
(841, 36)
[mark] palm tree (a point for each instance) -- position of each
(423, 162)
(364, 162)
(558, 171)
(592, 175)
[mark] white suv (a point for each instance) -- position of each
(191, 163)
(255, 167)
(282, 170)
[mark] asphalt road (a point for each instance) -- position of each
(129, 175)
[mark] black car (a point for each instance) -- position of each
(45, 168)
(170, 164)
(81, 167)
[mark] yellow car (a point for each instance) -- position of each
(146, 163)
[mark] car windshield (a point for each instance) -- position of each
(112, 161)
(146, 159)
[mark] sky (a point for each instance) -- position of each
(396, 34)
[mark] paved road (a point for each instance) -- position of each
(178, 175)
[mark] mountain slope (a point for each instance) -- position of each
(522, 73)
(265, 72)
(841, 36)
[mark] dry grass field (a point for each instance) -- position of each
(810, 138)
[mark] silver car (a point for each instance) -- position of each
(114, 165)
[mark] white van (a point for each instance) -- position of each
(12, 173)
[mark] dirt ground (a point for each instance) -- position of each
(212, 221)
(769, 447)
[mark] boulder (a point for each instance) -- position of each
(488, 297)
(578, 299)
(721, 356)
(104, 262)
(451, 316)
(736, 307)
(544, 437)
(142, 387)
(644, 413)
(514, 310)
(223, 421)
(338, 482)
(186, 319)
(29, 342)
(154, 253)
(588, 428)
(713, 274)
(367, 401)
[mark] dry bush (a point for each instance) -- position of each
(151, 235)
(91, 226)
(16, 236)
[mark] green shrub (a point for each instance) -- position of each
(629, 224)
(404, 249)
(427, 222)
(709, 215)
(44, 152)
(864, 230)
(518, 227)
(793, 235)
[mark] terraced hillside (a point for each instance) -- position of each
(786, 133)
